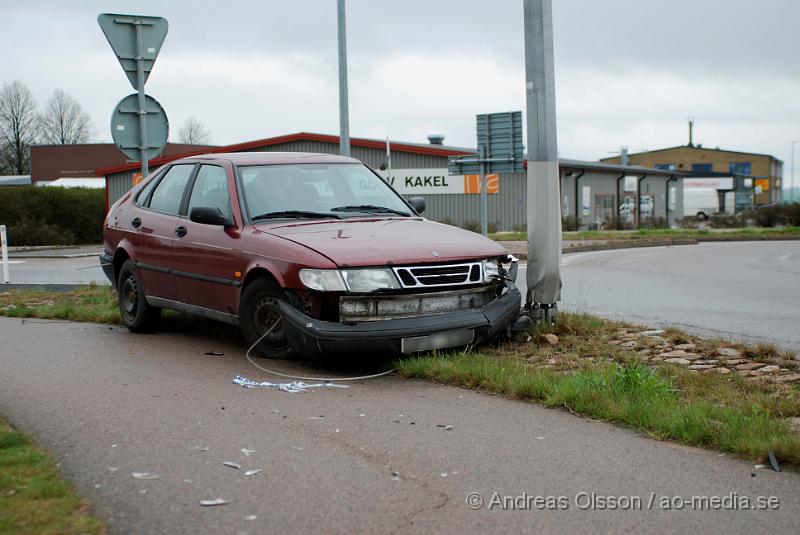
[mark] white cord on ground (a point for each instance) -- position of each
(323, 379)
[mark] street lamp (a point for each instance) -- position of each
(791, 192)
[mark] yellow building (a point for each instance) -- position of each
(765, 170)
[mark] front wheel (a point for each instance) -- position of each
(136, 314)
(260, 318)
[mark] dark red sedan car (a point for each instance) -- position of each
(309, 254)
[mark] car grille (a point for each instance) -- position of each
(435, 276)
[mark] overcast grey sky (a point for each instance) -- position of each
(628, 72)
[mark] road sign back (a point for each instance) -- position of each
(120, 30)
(125, 127)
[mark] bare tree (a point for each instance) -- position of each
(194, 133)
(64, 122)
(18, 127)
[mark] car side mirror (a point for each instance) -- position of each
(417, 203)
(209, 215)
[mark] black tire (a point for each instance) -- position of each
(258, 311)
(136, 314)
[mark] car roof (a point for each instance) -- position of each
(270, 158)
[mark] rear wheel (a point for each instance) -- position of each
(260, 318)
(137, 315)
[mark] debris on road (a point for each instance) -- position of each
(212, 503)
(248, 452)
(773, 461)
(214, 353)
(294, 387)
(231, 464)
(445, 427)
(144, 475)
(253, 472)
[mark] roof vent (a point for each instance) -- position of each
(436, 139)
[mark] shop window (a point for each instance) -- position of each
(741, 168)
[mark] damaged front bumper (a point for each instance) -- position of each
(315, 338)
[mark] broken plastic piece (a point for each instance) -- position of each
(144, 475)
(248, 452)
(232, 464)
(211, 503)
(293, 388)
(253, 472)
(773, 461)
(214, 353)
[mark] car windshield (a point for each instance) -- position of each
(311, 191)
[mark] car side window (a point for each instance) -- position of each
(211, 190)
(168, 194)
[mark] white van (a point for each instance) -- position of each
(700, 202)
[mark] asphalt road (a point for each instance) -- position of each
(740, 290)
(50, 270)
(371, 458)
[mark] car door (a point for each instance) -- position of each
(155, 224)
(207, 260)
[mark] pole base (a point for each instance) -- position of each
(541, 313)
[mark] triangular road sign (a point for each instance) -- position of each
(120, 30)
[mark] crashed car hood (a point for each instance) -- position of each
(386, 241)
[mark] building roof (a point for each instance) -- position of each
(50, 162)
(694, 147)
(434, 150)
(613, 168)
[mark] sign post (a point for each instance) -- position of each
(136, 41)
(500, 150)
(4, 247)
(544, 213)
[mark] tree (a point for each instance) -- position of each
(194, 133)
(64, 122)
(18, 127)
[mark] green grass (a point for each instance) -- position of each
(96, 304)
(723, 412)
(33, 498)
(652, 234)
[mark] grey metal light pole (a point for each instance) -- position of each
(143, 149)
(791, 191)
(544, 207)
(344, 119)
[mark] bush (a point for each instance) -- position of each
(775, 215)
(52, 216)
(472, 225)
(720, 220)
(653, 222)
(570, 223)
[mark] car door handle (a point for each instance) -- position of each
(136, 222)
(180, 231)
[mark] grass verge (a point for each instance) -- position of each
(93, 303)
(33, 499)
(590, 377)
(651, 234)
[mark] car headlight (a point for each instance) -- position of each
(369, 280)
(352, 280)
(324, 280)
(491, 270)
